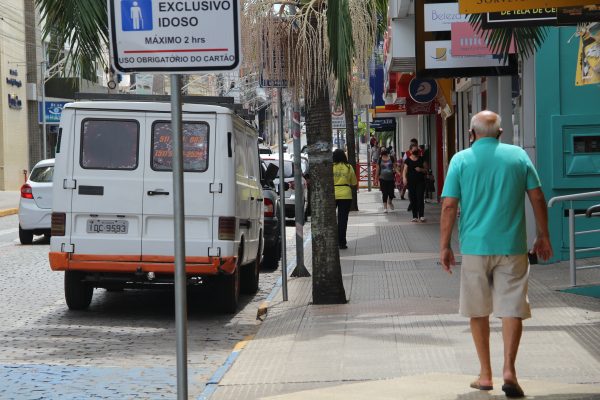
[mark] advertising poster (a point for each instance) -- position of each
(588, 59)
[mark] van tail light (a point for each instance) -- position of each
(26, 192)
(269, 208)
(227, 228)
(58, 224)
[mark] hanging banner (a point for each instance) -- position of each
(485, 6)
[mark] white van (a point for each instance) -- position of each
(112, 219)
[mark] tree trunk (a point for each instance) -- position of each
(328, 286)
(351, 143)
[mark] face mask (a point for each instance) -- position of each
(415, 152)
(384, 153)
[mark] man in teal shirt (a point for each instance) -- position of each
(489, 182)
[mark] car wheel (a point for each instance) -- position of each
(25, 236)
(251, 274)
(78, 293)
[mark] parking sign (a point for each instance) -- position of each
(174, 36)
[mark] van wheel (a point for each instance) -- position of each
(25, 236)
(250, 274)
(78, 293)
(229, 290)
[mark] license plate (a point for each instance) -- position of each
(107, 226)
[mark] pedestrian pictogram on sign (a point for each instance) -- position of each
(137, 15)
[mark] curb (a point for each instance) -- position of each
(8, 211)
(261, 314)
(213, 382)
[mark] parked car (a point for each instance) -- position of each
(112, 219)
(35, 205)
(288, 174)
(272, 229)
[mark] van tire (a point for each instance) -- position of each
(25, 236)
(251, 274)
(78, 294)
(229, 290)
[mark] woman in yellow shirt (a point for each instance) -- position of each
(343, 179)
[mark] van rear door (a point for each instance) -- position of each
(108, 179)
(198, 155)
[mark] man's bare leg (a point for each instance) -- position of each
(512, 329)
(480, 329)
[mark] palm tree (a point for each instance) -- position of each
(527, 40)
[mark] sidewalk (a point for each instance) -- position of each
(400, 337)
(9, 202)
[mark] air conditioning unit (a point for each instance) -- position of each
(402, 56)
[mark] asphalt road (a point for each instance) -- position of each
(122, 347)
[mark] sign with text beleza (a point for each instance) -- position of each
(174, 36)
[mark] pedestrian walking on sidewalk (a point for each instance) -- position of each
(489, 182)
(414, 179)
(344, 179)
(384, 172)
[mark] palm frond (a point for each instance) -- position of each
(341, 53)
(81, 27)
(527, 40)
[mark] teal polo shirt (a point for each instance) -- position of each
(490, 180)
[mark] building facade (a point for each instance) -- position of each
(14, 151)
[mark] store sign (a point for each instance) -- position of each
(423, 90)
(520, 18)
(577, 15)
(414, 108)
(439, 17)
(438, 55)
(466, 41)
(485, 6)
(53, 111)
(174, 36)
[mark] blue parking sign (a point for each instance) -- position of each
(136, 15)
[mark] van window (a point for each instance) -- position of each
(109, 144)
(195, 146)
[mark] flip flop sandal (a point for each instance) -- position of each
(478, 386)
(513, 390)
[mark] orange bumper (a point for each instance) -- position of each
(126, 263)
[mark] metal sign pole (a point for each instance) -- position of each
(369, 151)
(282, 199)
(300, 270)
(179, 214)
(43, 90)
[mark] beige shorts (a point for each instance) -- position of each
(495, 284)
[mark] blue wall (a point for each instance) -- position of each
(564, 110)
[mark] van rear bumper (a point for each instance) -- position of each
(128, 264)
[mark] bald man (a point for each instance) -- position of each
(489, 182)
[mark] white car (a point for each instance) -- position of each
(288, 174)
(35, 205)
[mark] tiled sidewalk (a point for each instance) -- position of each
(400, 337)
